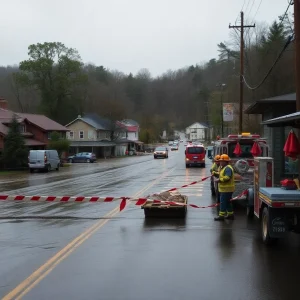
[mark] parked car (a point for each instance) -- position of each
(171, 143)
(45, 160)
(86, 157)
(161, 152)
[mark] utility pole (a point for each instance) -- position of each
(242, 28)
(297, 57)
(297, 50)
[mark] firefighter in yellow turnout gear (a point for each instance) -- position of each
(215, 167)
(226, 188)
(215, 170)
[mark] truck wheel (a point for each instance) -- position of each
(31, 170)
(187, 165)
(203, 166)
(267, 240)
(250, 203)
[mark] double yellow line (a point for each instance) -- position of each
(30, 282)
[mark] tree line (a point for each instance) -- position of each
(54, 81)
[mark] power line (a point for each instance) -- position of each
(253, 20)
(272, 67)
(251, 7)
(238, 13)
(280, 23)
(257, 10)
(247, 6)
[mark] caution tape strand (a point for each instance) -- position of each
(139, 201)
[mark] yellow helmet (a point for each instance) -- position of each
(217, 157)
(224, 157)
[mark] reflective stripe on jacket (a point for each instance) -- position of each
(226, 183)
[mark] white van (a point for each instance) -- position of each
(46, 160)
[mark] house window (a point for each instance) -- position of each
(81, 134)
(71, 135)
(22, 128)
(49, 135)
(107, 135)
(135, 134)
(90, 134)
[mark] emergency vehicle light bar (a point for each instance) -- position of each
(244, 135)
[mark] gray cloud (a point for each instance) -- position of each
(127, 34)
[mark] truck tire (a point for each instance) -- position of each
(267, 240)
(31, 170)
(187, 165)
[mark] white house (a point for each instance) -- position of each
(196, 132)
(132, 129)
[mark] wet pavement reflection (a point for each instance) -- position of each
(131, 257)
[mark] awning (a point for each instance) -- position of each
(92, 144)
(287, 120)
(32, 142)
(286, 101)
(138, 142)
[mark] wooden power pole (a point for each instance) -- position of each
(297, 50)
(242, 28)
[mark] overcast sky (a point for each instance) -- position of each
(128, 35)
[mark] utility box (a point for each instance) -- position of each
(263, 177)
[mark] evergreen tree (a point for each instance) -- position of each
(15, 152)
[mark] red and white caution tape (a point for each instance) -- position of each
(243, 193)
(139, 201)
(60, 198)
(192, 183)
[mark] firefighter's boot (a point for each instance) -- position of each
(219, 218)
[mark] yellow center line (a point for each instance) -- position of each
(30, 282)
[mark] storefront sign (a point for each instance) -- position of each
(227, 112)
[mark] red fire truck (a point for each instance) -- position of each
(239, 147)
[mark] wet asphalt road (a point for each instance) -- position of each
(126, 257)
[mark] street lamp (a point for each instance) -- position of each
(221, 86)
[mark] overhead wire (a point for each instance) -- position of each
(251, 7)
(289, 40)
(269, 48)
(240, 10)
(245, 11)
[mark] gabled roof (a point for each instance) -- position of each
(43, 122)
(127, 126)
(39, 120)
(202, 124)
(130, 122)
(260, 105)
(95, 121)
